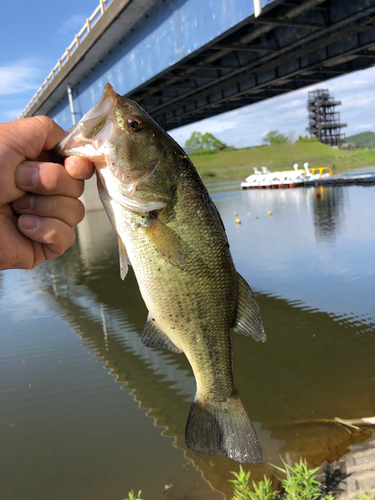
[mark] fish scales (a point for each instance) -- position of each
(171, 232)
(182, 312)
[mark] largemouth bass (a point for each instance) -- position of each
(172, 234)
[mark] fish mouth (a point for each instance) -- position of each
(89, 134)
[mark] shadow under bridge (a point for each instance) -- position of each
(185, 60)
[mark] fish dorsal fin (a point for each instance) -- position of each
(152, 336)
(248, 320)
(124, 259)
(165, 242)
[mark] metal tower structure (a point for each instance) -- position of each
(324, 120)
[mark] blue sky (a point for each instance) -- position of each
(34, 34)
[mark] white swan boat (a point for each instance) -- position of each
(285, 179)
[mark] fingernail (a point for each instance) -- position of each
(26, 176)
(28, 222)
(25, 202)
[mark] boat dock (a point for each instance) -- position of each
(305, 178)
(343, 180)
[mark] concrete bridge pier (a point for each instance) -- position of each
(90, 197)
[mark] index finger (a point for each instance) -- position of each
(26, 138)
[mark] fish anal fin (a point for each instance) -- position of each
(248, 320)
(165, 242)
(152, 336)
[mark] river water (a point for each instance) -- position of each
(88, 413)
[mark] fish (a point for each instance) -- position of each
(172, 234)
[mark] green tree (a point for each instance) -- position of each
(363, 140)
(305, 138)
(195, 141)
(275, 137)
(210, 142)
(199, 141)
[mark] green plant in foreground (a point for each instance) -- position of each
(300, 482)
(133, 496)
(365, 495)
(263, 490)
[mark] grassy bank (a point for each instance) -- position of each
(297, 482)
(238, 164)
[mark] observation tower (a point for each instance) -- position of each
(324, 120)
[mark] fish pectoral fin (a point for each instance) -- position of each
(108, 205)
(152, 336)
(124, 259)
(165, 242)
(248, 320)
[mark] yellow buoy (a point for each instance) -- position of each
(235, 213)
(269, 212)
(238, 221)
(248, 214)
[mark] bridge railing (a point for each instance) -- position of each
(86, 29)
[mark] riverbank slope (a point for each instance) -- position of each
(239, 163)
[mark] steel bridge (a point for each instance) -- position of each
(185, 60)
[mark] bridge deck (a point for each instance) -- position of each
(184, 60)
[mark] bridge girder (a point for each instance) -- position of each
(292, 44)
(328, 45)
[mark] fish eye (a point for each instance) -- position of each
(135, 124)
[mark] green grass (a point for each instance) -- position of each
(238, 164)
(298, 482)
(133, 496)
(242, 491)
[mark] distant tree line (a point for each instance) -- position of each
(276, 137)
(205, 142)
(364, 140)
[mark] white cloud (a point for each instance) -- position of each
(363, 127)
(11, 114)
(296, 103)
(72, 25)
(21, 76)
(216, 127)
(247, 126)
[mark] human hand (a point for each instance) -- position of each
(38, 197)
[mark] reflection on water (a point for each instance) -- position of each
(328, 212)
(68, 432)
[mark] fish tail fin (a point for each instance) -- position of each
(222, 426)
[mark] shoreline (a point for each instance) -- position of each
(239, 173)
(237, 164)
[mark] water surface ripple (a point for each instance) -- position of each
(66, 431)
